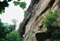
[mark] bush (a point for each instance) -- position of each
(49, 19)
(59, 5)
(13, 36)
(3, 39)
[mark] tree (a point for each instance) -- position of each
(13, 36)
(14, 22)
(2, 32)
(9, 28)
(5, 3)
(5, 29)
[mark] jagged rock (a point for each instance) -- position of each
(34, 37)
(55, 3)
(34, 14)
(42, 36)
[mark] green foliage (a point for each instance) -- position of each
(50, 18)
(32, 31)
(21, 4)
(59, 5)
(49, 21)
(5, 3)
(16, 3)
(9, 28)
(2, 32)
(13, 36)
(5, 29)
(8, 33)
(3, 39)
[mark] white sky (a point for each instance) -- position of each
(14, 12)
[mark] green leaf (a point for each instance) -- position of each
(2, 11)
(23, 5)
(16, 3)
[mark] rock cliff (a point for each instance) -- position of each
(30, 26)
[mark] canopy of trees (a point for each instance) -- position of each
(7, 32)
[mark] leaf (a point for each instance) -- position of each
(16, 3)
(2, 11)
(23, 5)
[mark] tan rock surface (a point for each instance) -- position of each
(35, 13)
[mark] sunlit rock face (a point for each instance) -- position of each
(27, 17)
(31, 23)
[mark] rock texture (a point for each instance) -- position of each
(29, 28)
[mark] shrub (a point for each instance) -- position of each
(59, 5)
(13, 36)
(49, 19)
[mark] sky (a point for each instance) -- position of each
(14, 12)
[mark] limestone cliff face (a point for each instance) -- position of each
(31, 23)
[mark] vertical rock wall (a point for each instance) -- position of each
(31, 23)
